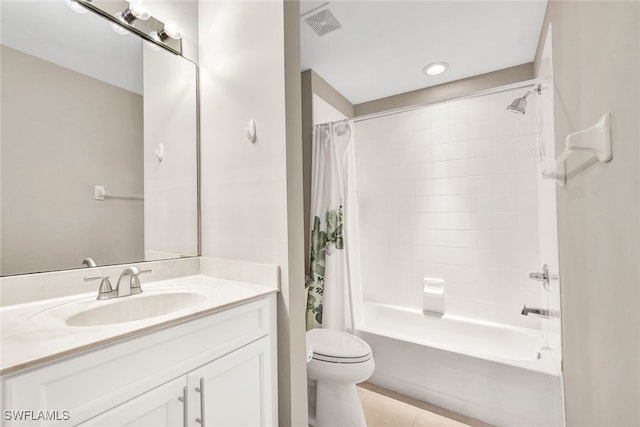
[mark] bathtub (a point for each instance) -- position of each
(499, 374)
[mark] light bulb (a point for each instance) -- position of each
(138, 9)
(173, 29)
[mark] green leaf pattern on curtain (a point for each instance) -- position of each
(322, 242)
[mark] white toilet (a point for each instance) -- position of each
(339, 361)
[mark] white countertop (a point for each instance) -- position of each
(34, 333)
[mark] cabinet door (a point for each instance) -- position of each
(161, 406)
(235, 390)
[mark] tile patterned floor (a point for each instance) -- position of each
(385, 408)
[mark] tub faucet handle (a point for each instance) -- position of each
(542, 277)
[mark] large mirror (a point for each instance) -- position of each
(98, 145)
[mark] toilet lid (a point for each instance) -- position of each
(336, 346)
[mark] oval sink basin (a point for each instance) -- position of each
(128, 309)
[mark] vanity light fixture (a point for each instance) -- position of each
(132, 17)
(435, 68)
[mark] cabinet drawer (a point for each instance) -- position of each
(89, 383)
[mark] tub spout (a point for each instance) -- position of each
(540, 312)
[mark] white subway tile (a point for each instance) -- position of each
(505, 221)
(431, 136)
(455, 150)
(503, 145)
(470, 167)
(483, 202)
(503, 164)
(526, 129)
(479, 112)
(439, 221)
(487, 276)
(459, 132)
(444, 186)
(482, 221)
(443, 255)
(458, 113)
(450, 186)
(526, 164)
(481, 184)
(480, 129)
(501, 184)
(525, 183)
(450, 238)
(405, 188)
(504, 202)
(446, 203)
(483, 239)
(413, 121)
(527, 202)
(446, 272)
(404, 157)
(441, 116)
(485, 258)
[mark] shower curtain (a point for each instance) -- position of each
(334, 267)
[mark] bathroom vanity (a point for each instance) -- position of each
(210, 362)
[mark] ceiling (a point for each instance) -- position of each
(384, 45)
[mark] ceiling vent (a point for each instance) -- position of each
(322, 20)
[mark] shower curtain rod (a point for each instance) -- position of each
(335, 122)
(470, 95)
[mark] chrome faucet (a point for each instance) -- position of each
(131, 283)
(89, 262)
(540, 312)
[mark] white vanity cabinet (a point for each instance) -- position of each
(230, 390)
(159, 407)
(223, 365)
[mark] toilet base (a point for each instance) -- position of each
(337, 405)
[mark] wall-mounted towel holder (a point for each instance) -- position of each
(100, 194)
(595, 140)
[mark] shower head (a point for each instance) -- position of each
(519, 104)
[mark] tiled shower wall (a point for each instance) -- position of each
(449, 192)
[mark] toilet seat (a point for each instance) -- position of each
(337, 347)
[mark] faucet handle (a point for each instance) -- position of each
(542, 277)
(105, 291)
(135, 282)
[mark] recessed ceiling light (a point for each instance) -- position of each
(435, 68)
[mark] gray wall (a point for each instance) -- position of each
(63, 133)
(596, 58)
(447, 90)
